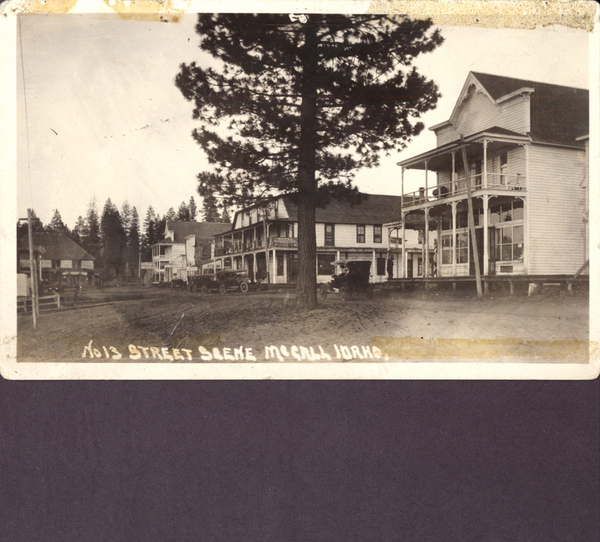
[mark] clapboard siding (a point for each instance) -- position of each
(345, 236)
(556, 205)
(479, 113)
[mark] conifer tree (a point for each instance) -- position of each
(148, 238)
(113, 239)
(57, 225)
(183, 213)
(297, 106)
(92, 230)
(193, 209)
(79, 231)
(210, 211)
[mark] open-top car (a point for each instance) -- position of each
(222, 282)
(350, 277)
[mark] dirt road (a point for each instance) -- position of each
(150, 324)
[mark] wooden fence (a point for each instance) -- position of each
(25, 304)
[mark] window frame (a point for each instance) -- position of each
(377, 238)
(361, 237)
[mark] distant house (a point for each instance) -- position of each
(342, 230)
(61, 261)
(184, 245)
(526, 148)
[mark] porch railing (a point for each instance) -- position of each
(494, 181)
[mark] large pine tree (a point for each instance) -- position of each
(114, 239)
(297, 106)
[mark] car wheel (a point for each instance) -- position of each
(323, 291)
(222, 289)
(369, 292)
(244, 287)
(344, 293)
(203, 289)
(194, 289)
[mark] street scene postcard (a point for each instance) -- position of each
(299, 195)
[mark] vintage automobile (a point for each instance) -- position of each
(352, 278)
(178, 284)
(223, 282)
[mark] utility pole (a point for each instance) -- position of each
(471, 218)
(32, 272)
(265, 215)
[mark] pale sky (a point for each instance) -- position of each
(104, 118)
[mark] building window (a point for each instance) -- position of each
(446, 222)
(324, 264)
(509, 244)
(377, 233)
(360, 233)
(447, 249)
(462, 247)
(329, 235)
(290, 228)
(507, 212)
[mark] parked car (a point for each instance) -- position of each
(352, 278)
(178, 284)
(202, 284)
(223, 282)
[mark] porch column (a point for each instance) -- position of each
(486, 237)
(526, 240)
(403, 246)
(426, 182)
(453, 173)
(453, 237)
(374, 262)
(485, 143)
(426, 262)
(274, 265)
(254, 266)
(401, 187)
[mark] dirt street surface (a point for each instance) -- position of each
(158, 325)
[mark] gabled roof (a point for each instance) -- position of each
(56, 246)
(376, 209)
(559, 114)
(203, 230)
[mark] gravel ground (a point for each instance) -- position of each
(148, 324)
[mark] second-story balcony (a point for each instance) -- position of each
(492, 182)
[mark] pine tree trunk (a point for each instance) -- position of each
(306, 296)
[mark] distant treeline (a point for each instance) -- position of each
(116, 239)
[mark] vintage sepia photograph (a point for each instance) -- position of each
(300, 195)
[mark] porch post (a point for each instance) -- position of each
(426, 262)
(374, 262)
(403, 246)
(426, 182)
(274, 264)
(401, 187)
(454, 247)
(486, 237)
(453, 173)
(485, 143)
(254, 266)
(526, 240)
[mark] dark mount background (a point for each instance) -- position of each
(290, 461)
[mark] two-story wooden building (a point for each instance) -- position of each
(342, 230)
(526, 154)
(183, 247)
(60, 261)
